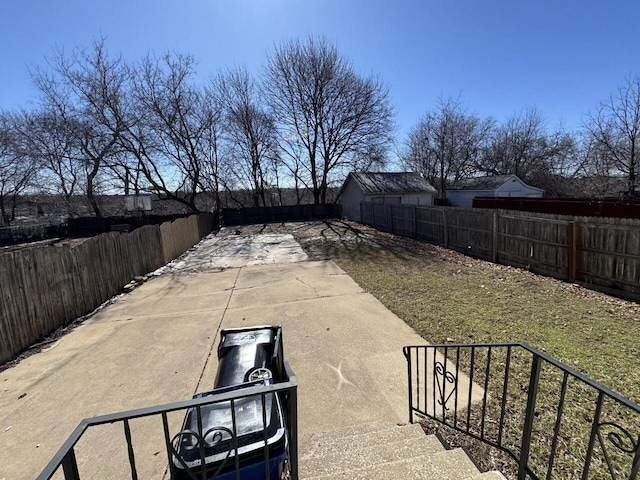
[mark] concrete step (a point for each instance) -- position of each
(368, 455)
(454, 465)
(322, 446)
(418, 468)
(351, 430)
(490, 476)
(381, 450)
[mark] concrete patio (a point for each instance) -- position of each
(157, 345)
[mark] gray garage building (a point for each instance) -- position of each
(383, 187)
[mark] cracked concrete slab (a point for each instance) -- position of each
(220, 252)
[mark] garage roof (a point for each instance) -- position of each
(390, 182)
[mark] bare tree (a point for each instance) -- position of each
(523, 146)
(172, 129)
(46, 139)
(445, 144)
(591, 172)
(85, 91)
(250, 131)
(16, 170)
(324, 108)
(615, 129)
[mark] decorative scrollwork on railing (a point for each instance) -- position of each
(442, 378)
(210, 439)
(621, 439)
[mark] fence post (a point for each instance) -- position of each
(362, 212)
(373, 215)
(494, 256)
(572, 252)
(445, 228)
(529, 417)
(415, 222)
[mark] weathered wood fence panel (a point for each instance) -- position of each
(431, 225)
(178, 236)
(601, 253)
(382, 218)
(540, 245)
(470, 232)
(280, 214)
(404, 220)
(45, 287)
(609, 254)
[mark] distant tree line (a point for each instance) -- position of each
(449, 143)
(104, 125)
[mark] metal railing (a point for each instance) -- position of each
(200, 441)
(551, 420)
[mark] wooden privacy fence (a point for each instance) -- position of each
(284, 213)
(178, 236)
(45, 287)
(600, 253)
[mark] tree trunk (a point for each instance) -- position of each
(4, 220)
(90, 194)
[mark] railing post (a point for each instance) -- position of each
(293, 432)
(70, 467)
(635, 466)
(529, 416)
(132, 458)
(407, 355)
(592, 439)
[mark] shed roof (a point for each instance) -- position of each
(483, 183)
(390, 182)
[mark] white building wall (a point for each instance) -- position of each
(424, 199)
(515, 188)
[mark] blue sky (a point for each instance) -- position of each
(499, 56)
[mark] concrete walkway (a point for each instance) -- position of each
(157, 345)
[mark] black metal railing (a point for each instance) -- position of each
(188, 452)
(551, 420)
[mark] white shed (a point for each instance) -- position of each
(383, 187)
(464, 191)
